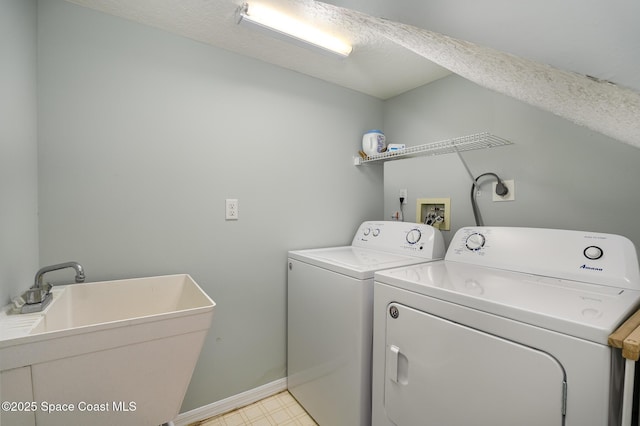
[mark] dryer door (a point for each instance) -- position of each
(442, 373)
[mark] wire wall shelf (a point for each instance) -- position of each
(460, 144)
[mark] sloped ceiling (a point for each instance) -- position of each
(540, 52)
(377, 66)
(591, 37)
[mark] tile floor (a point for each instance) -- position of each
(277, 410)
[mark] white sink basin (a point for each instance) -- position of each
(80, 305)
(126, 347)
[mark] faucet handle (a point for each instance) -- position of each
(18, 303)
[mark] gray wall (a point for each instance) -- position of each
(144, 134)
(18, 145)
(565, 176)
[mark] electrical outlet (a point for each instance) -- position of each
(403, 194)
(231, 212)
(511, 195)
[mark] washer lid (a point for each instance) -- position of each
(587, 311)
(355, 262)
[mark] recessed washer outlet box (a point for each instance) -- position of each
(435, 212)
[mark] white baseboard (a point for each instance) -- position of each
(231, 403)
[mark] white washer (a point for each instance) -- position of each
(511, 328)
(329, 322)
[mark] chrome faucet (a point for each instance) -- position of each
(46, 287)
(38, 297)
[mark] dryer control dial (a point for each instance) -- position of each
(593, 252)
(414, 236)
(475, 241)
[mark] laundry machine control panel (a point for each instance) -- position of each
(475, 241)
(591, 257)
(414, 236)
(405, 238)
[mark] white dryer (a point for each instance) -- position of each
(329, 321)
(510, 329)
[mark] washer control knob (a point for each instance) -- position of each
(593, 252)
(475, 241)
(376, 232)
(366, 231)
(414, 236)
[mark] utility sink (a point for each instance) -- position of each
(81, 305)
(113, 352)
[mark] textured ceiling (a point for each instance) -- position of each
(377, 66)
(599, 105)
(593, 37)
(538, 52)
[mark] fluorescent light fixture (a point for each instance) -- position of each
(287, 28)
